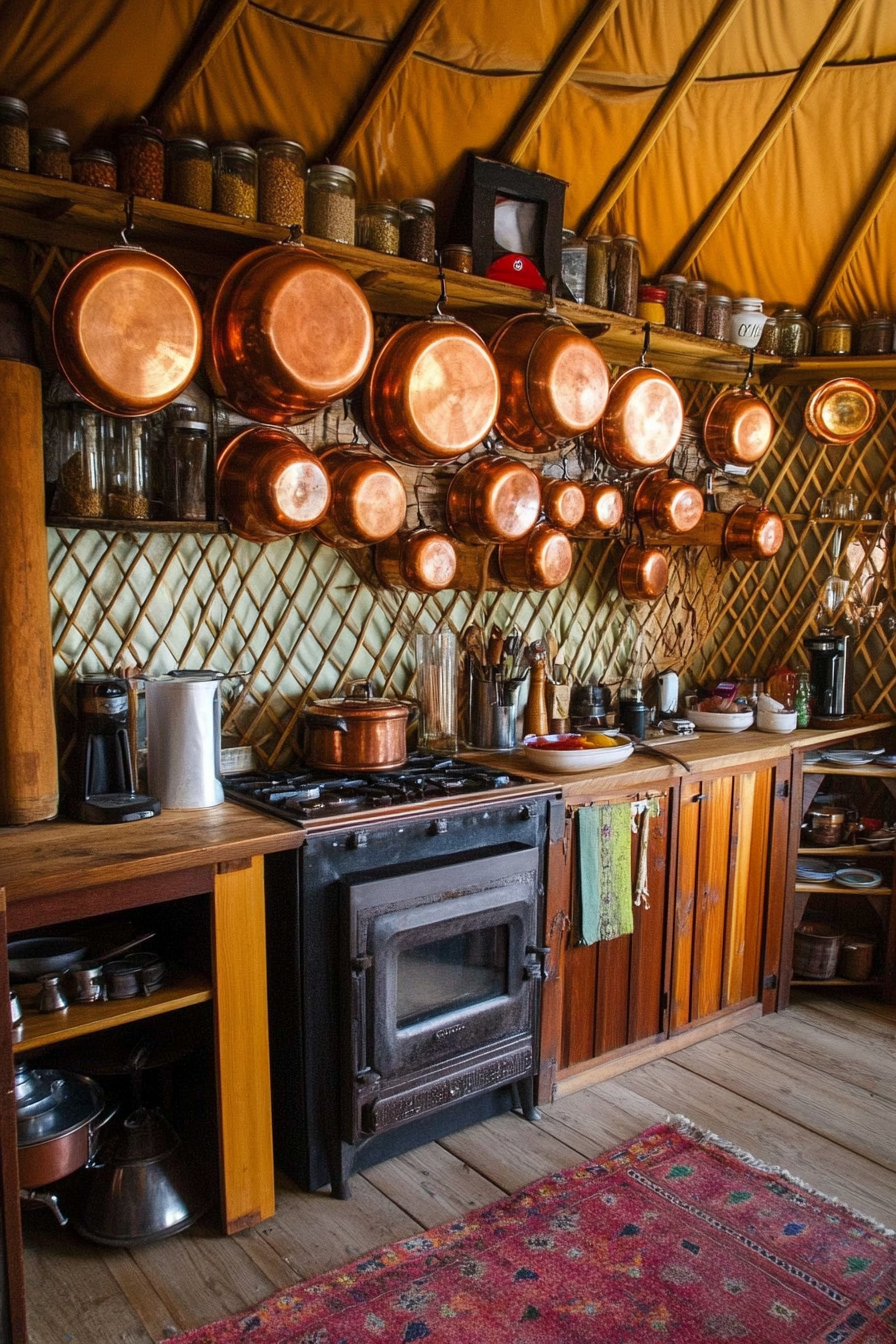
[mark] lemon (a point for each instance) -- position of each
(599, 740)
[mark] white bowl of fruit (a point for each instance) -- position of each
(717, 715)
(568, 752)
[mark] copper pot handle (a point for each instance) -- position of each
(336, 725)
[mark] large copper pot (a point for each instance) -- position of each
(841, 411)
(642, 574)
(554, 381)
(270, 485)
(643, 419)
(356, 731)
(493, 499)
(738, 428)
(127, 331)
(369, 501)
(752, 533)
(539, 561)
(666, 503)
(425, 561)
(289, 332)
(563, 502)
(432, 394)
(58, 1115)
(604, 510)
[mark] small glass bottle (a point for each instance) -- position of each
(330, 203)
(597, 273)
(675, 286)
(458, 257)
(833, 336)
(235, 190)
(127, 469)
(95, 168)
(695, 307)
(574, 264)
(418, 229)
(49, 153)
(187, 473)
(718, 317)
(378, 227)
(282, 168)
(876, 335)
(801, 702)
(14, 134)
(626, 274)
(189, 172)
(80, 488)
(141, 161)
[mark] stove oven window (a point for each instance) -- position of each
(451, 973)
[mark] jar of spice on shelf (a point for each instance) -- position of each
(330, 202)
(282, 167)
(675, 286)
(652, 304)
(574, 264)
(187, 470)
(794, 334)
(127, 468)
(95, 168)
(626, 274)
(141, 160)
(597, 270)
(80, 488)
(876, 335)
(833, 335)
(770, 340)
(418, 229)
(695, 307)
(189, 172)
(458, 257)
(14, 134)
(378, 227)
(718, 317)
(49, 153)
(235, 186)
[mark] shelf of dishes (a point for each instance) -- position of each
(836, 981)
(833, 889)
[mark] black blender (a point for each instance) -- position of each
(828, 674)
(105, 787)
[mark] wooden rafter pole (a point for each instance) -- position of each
(800, 86)
(881, 188)
(204, 41)
(715, 28)
(563, 66)
(400, 53)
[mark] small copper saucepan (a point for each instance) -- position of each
(738, 427)
(369, 501)
(539, 561)
(643, 419)
(270, 485)
(643, 573)
(666, 503)
(493, 499)
(841, 411)
(752, 533)
(425, 561)
(604, 510)
(563, 502)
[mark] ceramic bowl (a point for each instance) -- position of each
(775, 720)
(569, 762)
(714, 722)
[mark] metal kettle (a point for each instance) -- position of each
(183, 738)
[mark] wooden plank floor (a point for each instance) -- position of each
(812, 1090)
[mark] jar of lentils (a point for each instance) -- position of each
(141, 161)
(378, 227)
(876, 335)
(190, 173)
(675, 286)
(833, 336)
(418, 229)
(330, 202)
(626, 274)
(695, 307)
(282, 167)
(718, 317)
(94, 168)
(14, 134)
(235, 187)
(597, 270)
(458, 257)
(49, 153)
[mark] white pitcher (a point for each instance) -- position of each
(183, 739)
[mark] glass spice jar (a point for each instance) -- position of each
(378, 227)
(718, 317)
(675, 286)
(80, 488)
(187, 473)
(14, 134)
(794, 333)
(235, 185)
(330, 202)
(770, 340)
(833, 336)
(876, 335)
(127, 468)
(626, 262)
(574, 264)
(49, 153)
(282, 167)
(94, 168)
(141, 161)
(652, 304)
(695, 307)
(418, 229)
(189, 172)
(458, 257)
(597, 270)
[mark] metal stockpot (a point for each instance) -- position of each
(604, 510)
(356, 731)
(270, 485)
(643, 573)
(669, 504)
(127, 331)
(841, 411)
(563, 502)
(56, 1123)
(289, 332)
(539, 561)
(424, 561)
(752, 533)
(493, 499)
(369, 501)
(643, 419)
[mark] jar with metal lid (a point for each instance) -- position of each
(187, 470)
(190, 172)
(597, 270)
(80, 487)
(127, 467)
(626, 263)
(833, 336)
(675, 286)
(695, 307)
(330, 203)
(235, 189)
(282, 167)
(458, 257)
(95, 168)
(14, 134)
(652, 304)
(718, 317)
(141, 161)
(574, 264)
(794, 333)
(418, 229)
(876, 335)
(378, 227)
(49, 153)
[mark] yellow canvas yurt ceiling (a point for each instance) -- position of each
(748, 142)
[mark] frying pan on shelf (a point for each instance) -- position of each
(30, 957)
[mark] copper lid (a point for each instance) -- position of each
(361, 703)
(738, 427)
(670, 505)
(369, 498)
(563, 501)
(270, 485)
(643, 419)
(604, 510)
(567, 382)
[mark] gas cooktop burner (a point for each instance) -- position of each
(310, 795)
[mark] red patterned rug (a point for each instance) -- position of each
(673, 1237)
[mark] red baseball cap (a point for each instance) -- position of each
(515, 269)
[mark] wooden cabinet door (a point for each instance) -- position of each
(12, 1264)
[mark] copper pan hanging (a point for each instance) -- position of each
(751, 533)
(604, 510)
(643, 419)
(127, 330)
(369, 500)
(643, 573)
(425, 561)
(666, 503)
(493, 499)
(270, 485)
(739, 427)
(563, 502)
(841, 411)
(539, 561)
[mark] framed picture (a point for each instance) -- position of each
(504, 209)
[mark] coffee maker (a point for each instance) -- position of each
(827, 674)
(104, 789)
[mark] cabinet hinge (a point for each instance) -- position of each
(783, 790)
(770, 982)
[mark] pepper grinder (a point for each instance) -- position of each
(535, 715)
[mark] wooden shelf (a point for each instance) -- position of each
(65, 214)
(830, 889)
(136, 524)
(80, 1019)
(837, 982)
(858, 851)
(878, 370)
(858, 771)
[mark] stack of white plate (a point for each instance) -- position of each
(814, 870)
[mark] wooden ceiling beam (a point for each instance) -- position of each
(201, 46)
(562, 67)
(713, 31)
(799, 87)
(397, 58)
(883, 184)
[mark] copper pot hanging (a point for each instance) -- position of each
(493, 499)
(369, 501)
(666, 503)
(738, 428)
(270, 485)
(752, 533)
(425, 561)
(127, 331)
(841, 411)
(642, 574)
(604, 510)
(539, 561)
(563, 502)
(643, 419)
(289, 332)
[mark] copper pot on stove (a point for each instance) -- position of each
(643, 573)
(369, 501)
(493, 499)
(667, 503)
(563, 502)
(752, 533)
(643, 419)
(425, 561)
(357, 731)
(604, 510)
(270, 485)
(539, 561)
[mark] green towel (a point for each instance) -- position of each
(605, 871)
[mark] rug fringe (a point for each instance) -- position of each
(690, 1130)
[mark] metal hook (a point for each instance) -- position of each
(646, 349)
(443, 287)
(128, 221)
(746, 382)
(295, 235)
